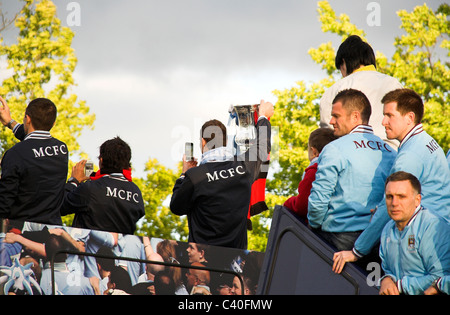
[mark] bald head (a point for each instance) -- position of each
(202, 275)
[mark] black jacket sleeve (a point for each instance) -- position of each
(74, 199)
(257, 155)
(19, 132)
(181, 201)
(9, 183)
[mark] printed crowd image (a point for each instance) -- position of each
(92, 262)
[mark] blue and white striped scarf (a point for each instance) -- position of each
(220, 154)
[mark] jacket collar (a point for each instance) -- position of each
(362, 129)
(220, 154)
(38, 134)
(415, 131)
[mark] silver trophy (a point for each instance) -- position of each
(245, 126)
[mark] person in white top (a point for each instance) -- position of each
(356, 61)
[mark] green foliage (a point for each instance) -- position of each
(257, 237)
(324, 55)
(296, 115)
(43, 61)
(416, 64)
(156, 188)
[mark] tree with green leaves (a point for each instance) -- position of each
(156, 188)
(42, 62)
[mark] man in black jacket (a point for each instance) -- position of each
(216, 194)
(109, 201)
(34, 170)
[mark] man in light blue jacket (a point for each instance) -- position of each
(415, 244)
(418, 154)
(351, 173)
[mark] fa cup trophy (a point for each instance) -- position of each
(245, 119)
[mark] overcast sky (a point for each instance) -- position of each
(154, 70)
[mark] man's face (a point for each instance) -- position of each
(191, 278)
(194, 254)
(341, 121)
(396, 125)
(236, 289)
(401, 202)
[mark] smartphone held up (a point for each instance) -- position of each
(189, 151)
(89, 168)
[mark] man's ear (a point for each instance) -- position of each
(29, 122)
(203, 145)
(28, 119)
(356, 116)
(343, 68)
(315, 152)
(417, 200)
(411, 117)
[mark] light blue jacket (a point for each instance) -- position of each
(444, 284)
(420, 155)
(448, 158)
(419, 254)
(349, 181)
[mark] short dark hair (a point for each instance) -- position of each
(407, 101)
(320, 137)
(115, 154)
(356, 53)
(42, 112)
(164, 283)
(405, 176)
(106, 263)
(354, 100)
(53, 244)
(121, 278)
(214, 133)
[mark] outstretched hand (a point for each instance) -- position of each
(266, 109)
(5, 113)
(78, 171)
(188, 164)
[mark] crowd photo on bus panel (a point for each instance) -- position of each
(377, 190)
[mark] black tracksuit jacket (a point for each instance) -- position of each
(34, 172)
(110, 203)
(215, 196)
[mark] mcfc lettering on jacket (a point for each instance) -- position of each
(50, 150)
(33, 175)
(374, 145)
(224, 174)
(122, 194)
